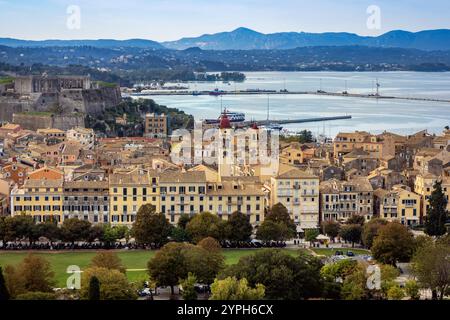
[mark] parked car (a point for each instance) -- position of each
(350, 254)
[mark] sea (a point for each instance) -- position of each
(373, 115)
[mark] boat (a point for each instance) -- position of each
(234, 117)
(216, 92)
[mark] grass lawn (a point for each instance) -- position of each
(330, 252)
(134, 261)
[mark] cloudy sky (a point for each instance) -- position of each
(172, 19)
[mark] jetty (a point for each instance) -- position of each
(282, 92)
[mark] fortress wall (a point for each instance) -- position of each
(32, 122)
(67, 122)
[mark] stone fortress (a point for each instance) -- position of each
(60, 102)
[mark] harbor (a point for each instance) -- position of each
(282, 92)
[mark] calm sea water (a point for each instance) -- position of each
(398, 116)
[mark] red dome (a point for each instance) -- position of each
(225, 122)
(254, 126)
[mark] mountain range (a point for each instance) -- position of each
(247, 39)
(100, 43)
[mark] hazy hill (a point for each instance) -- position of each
(247, 39)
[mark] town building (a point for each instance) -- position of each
(85, 137)
(340, 200)
(156, 126)
(298, 191)
(398, 204)
(41, 199)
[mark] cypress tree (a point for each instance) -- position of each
(94, 289)
(437, 212)
(4, 293)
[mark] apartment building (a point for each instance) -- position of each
(399, 204)
(86, 200)
(376, 146)
(242, 194)
(340, 200)
(85, 137)
(42, 199)
(156, 126)
(182, 193)
(298, 191)
(128, 191)
(424, 186)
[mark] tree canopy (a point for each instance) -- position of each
(233, 289)
(284, 276)
(150, 227)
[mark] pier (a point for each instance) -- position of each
(291, 121)
(270, 92)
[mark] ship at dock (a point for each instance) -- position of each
(234, 117)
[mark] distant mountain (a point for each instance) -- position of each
(247, 39)
(101, 43)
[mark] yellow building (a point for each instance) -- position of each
(298, 191)
(182, 193)
(377, 146)
(242, 194)
(424, 186)
(401, 205)
(129, 191)
(42, 199)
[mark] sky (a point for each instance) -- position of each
(166, 20)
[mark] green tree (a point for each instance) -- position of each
(188, 286)
(108, 260)
(3, 229)
(183, 221)
(179, 234)
(305, 136)
(393, 244)
(395, 293)
(210, 244)
(354, 285)
(75, 230)
(151, 227)
(356, 219)
(33, 274)
(94, 289)
(437, 213)
(169, 265)
(96, 232)
(334, 274)
(351, 233)
(273, 231)
(109, 235)
(431, 265)
(50, 231)
(19, 227)
(205, 264)
(412, 289)
(279, 213)
(331, 229)
(205, 225)
(311, 235)
(238, 227)
(233, 289)
(114, 284)
(371, 230)
(283, 275)
(4, 293)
